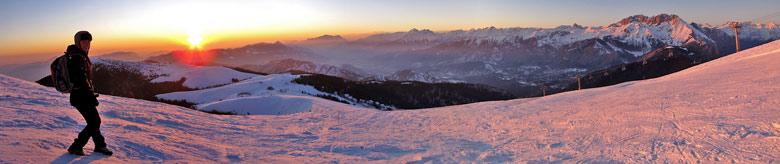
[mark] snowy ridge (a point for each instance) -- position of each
(674, 32)
(196, 77)
(637, 30)
(268, 95)
(633, 30)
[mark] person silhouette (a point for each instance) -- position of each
(83, 95)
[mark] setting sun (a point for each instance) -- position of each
(195, 40)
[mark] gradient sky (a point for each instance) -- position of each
(147, 26)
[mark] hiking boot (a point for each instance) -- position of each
(76, 151)
(104, 151)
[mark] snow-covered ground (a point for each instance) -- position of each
(269, 95)
(196, 77)
(201, 76)
(727, 110)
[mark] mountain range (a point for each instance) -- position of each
(722, 111)
(519, 60)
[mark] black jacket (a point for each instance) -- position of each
(80, 72)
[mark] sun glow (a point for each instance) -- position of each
(201, 26)
(195, 40)
(196, 55)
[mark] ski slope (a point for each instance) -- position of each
(723, 111)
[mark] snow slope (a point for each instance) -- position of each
(196, 77)
(269, 95)
(727, 110)
(142, 131)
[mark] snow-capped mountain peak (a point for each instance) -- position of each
(654, 20)
(636, 30)
(414, 34)
(668, 29)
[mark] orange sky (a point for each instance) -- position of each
(153, 26)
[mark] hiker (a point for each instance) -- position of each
(83, 96)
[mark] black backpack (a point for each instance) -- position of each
(59, 74)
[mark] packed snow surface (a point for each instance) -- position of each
(270, 95)
(726, 110)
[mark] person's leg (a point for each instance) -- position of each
(92, 117)
(92, 129)
(85, 133)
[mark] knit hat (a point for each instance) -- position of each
(81, 35)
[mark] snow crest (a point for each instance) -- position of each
(196, 77)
